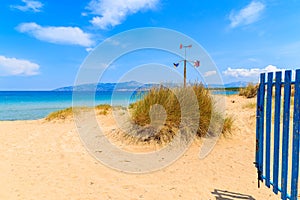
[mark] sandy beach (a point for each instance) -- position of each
(46, 160)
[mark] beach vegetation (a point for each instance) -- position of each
(60, 114)
(227, 126)
(172, 100)
(249, 91)
(103, 109)
(250, 105)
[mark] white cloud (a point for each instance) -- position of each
(57, 34)
(14, 66)
(248, 15)
(111, 13)
(252, 73)
(30, 5)
(209, 73)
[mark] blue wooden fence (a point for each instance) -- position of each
(273, 161)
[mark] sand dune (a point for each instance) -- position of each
(46, 160)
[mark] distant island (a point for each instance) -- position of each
(134, 86)
(106, 87)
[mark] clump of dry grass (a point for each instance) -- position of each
(60, 114)
(161, 96)
(249, 91)
(250, 105)
(172, 102)
(103, 109)
(227, 126)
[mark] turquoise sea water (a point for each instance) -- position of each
(225, 92)
(30, 105)
(25, 105)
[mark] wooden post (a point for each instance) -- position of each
(184, 74)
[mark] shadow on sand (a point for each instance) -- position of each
(226, 195)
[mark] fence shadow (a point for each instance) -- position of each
(226, 195)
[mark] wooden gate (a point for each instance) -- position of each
(277, 133)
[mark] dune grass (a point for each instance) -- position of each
(101, 109)
(227, 126)
(60, 114)
(250, 105)
(172, 102)
(249, 91)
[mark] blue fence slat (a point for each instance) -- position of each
(296, 131)
(261, 124)
(285, 134)
(268, 127)
(276, 130)
(257, 131)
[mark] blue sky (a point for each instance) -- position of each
(43, 42)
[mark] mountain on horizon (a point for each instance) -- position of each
(236, 84)
(123, 86)
(134, 85)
